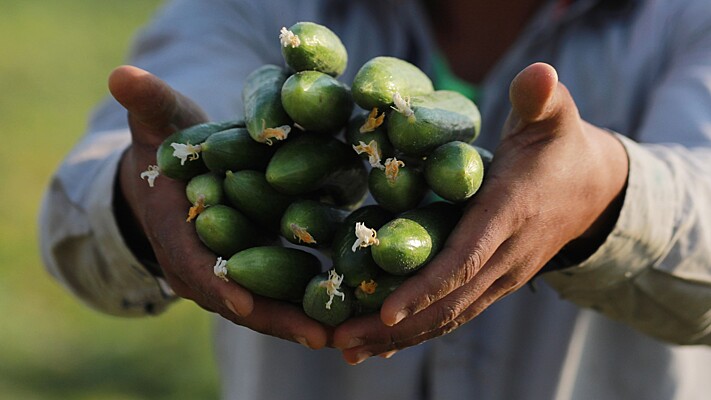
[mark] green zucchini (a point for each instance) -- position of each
(454, 171)
(234, 150)
(396, 187)
(357, 265)
(225, 230)
(367, 128)
(311, 223)
(249, 192)
(371, 294)
(178, 156)
(263, 113)
(203, 191)
(408, 242)
(310, 46)
(276, 272)
(311, 162)
(431, 120)
(317, 101)
(326, 301)
(377, 81)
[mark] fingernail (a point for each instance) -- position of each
(354, 342)
(302, 340)
(388, 354)
(362, 356)
(402, 314)
(232, 307)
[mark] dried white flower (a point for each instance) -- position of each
(402, 105)
(332, 285)
(364, 236)
(186, 152)
(220, 269)
(287, 38)
(371, 149)
(151, 174)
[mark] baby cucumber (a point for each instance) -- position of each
(326, 301)
(371, 294)
(454, 171)
(408, 242)
(311, 162)
(379, 79)
(310, 46)
(234, 150)
(225, 230)
(263, 113)
(486, 157)
(396, 187)
(203, 191)
(366, 133)
(178, 156)
(357, 265)
(249, 192)
(311, 223)
(426, 122)
(317, 101)
(276, 272)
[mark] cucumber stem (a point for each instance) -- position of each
(371, 149)
(151, 174)
(372, 122)
(288, 38)
(220, 269)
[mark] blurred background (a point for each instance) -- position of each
(55, 57)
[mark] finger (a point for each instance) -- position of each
(151, 103)
(533, 92)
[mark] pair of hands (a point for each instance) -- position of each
(555, 181)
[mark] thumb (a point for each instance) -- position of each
(154, 108)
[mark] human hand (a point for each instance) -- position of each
(155, 111)
(555, 181)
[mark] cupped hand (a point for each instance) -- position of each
(155, 111)
(555, 181)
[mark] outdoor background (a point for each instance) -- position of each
(55, 57)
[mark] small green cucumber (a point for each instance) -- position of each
(225, 230)
(310, 46)
(263, 113)
(311, 223)
(357, 264)
(396, 187)
(317, 101)
(311, 162)
(426, 122)
(377, 81)
(486, 157)
(178, 156)
(371, 294)
(369, 138)
(203, 191)
(276, 272)
(408, 242)
(234, 150)
(454, 171)
(250, 193)
(326, 301)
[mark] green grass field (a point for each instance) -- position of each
(54, 60)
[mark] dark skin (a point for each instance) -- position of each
(556, 181)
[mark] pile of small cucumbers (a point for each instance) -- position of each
(300, 164)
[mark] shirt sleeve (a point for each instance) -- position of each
(654, 270)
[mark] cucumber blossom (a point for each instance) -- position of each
(371, 294)
(366, 133)
(326, 301)
(264, 115)
(311, 223)
(379, 79)
(276, 272)
(310, 46)
(454, 171)
(317, 101)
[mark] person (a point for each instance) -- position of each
(599, 195)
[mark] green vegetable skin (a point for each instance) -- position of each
(357, 266)
(316, 301)
(317, 101)
(407, 243)
(172, 166)
(400, 194)
(249, 192)
(225, 230)
(454, 171)
(264, 115)
(439, 117)
(207, 187)
(311, 223)
(384, 285)
(234, 150)
(311, 162)
(276, 272)
(380, 78)
(310, 46)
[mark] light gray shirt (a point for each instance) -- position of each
(608, 328)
